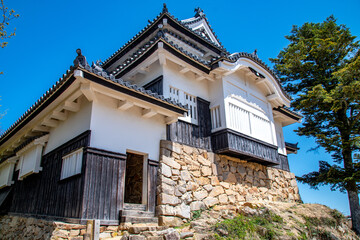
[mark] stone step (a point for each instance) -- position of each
(134, 206)
(129, 219)
(136, 213)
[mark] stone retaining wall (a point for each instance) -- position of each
(191, 179)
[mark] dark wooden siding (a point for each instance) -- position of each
(44, 194)
(152, 181)
(103, 188)
(190, 134)
(234, 143)
(284, 163)
(155, 85)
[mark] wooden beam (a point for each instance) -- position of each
(124, 105)
(148, 113)
(184, 70)
(170, 120)
(88, 92)
(41, 128)
(162, 59)
(61, 116)
(71, 106)
(199, 78)
(50, 122)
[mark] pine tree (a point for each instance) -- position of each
(321, 69)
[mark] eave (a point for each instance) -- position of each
(36, 121)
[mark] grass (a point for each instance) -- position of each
(266, 226)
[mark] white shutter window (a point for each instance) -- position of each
(72, 164)
(6, 172)
(30, 157)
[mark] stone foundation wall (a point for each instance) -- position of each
(16, 227)
(191, 179)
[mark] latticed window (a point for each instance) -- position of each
(188, 100)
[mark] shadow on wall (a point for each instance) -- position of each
(233, 170)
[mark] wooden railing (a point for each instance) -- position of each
(230, 142)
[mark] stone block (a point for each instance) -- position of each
(210, 201)
(229, 177)
(223, 199)
(165, 170)
(216, 191)
(200, 195)
(192, 186)
(170, 221)
(225, 185)
(215, 181)
(206, 171)
(203, 161)
(165, 188)
(196, 173)
(185, 175)
(208, 187)
(182, 211)
(168, 199)
(172, 236)
(188, 150)
(136, 237)
(187, 197)
(197, 205)
(171, 162)
(165, 210)
(167, 181)
(202, 181)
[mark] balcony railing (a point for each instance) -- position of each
(233, 143)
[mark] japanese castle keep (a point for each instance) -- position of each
(170, 123)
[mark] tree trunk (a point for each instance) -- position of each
(354, 210)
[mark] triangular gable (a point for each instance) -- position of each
(199, 24)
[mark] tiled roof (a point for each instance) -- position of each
(153, 22)
(94, 69)
(100, 72)
(190, 21)
(255, 58)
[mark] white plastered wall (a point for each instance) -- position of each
(119, 131)
(185, 82)
(75, 124)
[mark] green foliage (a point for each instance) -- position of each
(242, 227)
(6, 16)
(321, 69)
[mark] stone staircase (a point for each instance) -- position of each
(136, 213)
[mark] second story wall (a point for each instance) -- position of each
(75, 124)
(119, 131)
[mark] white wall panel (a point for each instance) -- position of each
(115, 130)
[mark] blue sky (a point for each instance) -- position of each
(49, 32)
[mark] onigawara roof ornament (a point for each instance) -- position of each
(199, 12)
(165, 9)
(80, 59)
(255, 52)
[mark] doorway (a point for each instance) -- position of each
(135, 178)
